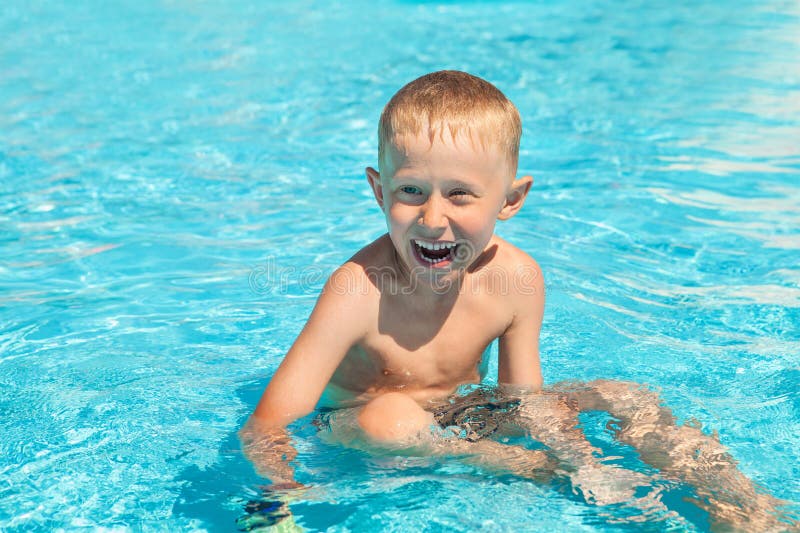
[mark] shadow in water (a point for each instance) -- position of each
(230, 495)
(217, 497)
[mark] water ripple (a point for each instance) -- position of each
(156, 157)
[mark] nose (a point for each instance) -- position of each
(432, 215)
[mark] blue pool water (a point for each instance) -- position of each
(177, 178)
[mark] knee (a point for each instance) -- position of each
(393, 417)
(627, 393)
(615, 388)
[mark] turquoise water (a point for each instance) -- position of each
(177, 178)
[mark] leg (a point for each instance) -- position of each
(394, 418)
(552, 420)
(395, 422)
(683, 453)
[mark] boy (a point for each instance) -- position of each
(407, 319)
(405, 322)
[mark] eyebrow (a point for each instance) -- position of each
(459, 183)
(449, 181)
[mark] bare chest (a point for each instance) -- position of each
(429, 350)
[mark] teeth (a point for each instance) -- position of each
(430, 260)
(435, 246)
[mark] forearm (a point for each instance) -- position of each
(549, 419)
(270, 449)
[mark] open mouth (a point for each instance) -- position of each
(436, 254)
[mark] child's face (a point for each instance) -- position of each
(441, 199)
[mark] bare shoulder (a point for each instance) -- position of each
(522, 273)
(377, 254)
(355, 279)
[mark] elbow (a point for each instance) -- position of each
(276, 416)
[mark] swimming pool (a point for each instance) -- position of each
(177, 179)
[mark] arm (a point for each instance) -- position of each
(270, 449)
(518, 362)
(547, 417)
(334, 326)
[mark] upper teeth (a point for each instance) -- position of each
(435, 245)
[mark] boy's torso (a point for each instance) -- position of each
(424, 348)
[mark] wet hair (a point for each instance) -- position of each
(456, 102)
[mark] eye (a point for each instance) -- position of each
(461, 196)
(410, 189)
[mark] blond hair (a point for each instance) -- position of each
(458, 102)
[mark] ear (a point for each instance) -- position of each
(374, 178)
(515, 197)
